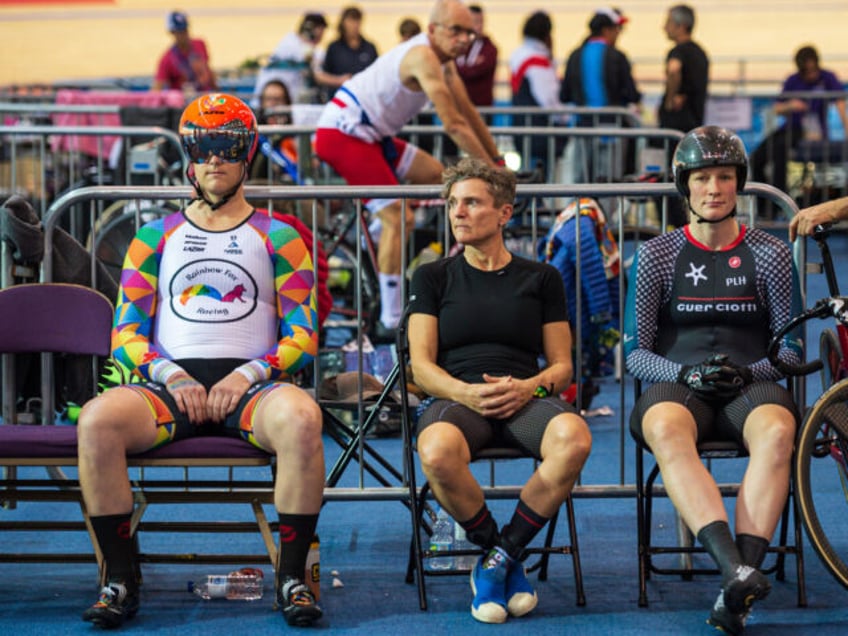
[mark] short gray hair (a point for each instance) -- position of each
(684, 15)
(500, 182)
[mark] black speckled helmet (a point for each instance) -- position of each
(705, 147)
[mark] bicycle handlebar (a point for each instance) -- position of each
(834, 307)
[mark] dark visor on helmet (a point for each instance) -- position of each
(232, 146)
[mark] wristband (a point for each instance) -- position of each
(543, 391)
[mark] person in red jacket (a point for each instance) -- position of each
(186, 63)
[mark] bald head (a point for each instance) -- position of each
(447, 11)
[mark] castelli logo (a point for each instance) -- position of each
(734, 262)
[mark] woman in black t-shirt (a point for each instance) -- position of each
(479, 322)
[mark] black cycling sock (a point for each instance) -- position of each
(524, 525)
(752, 549)
(481, 529)
(116, 543)
(296, 532)
(718, 541)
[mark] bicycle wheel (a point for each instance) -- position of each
(341, 259)
(831, 354)
(821, 479)
(115, 230)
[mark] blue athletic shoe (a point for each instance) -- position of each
(521, 598)
(488, 582)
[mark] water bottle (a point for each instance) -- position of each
(382, 362)
(440, 541)
(242, 585)
(429, 254)
(461, 542)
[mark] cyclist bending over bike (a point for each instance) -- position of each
(356, 133)
(705, 301)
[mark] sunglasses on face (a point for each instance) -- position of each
(228, 146)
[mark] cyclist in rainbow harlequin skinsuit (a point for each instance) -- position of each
(216, 310)
(704, 302)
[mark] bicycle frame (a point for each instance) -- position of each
(824, 430)
(833, 289)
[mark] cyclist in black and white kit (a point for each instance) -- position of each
(705, 301)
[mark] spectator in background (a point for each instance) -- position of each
(478, 65)
(477, 68)
(686, 74)
(277, 156)
(408, 28)
(297, 62)
(186, 64)
(351, 52)
(535, 83)
(598, 74)
(805, 118)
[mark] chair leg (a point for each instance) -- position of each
(799, 552)
(780, 565)
(416, 562)
(641, 532)
(575, 554)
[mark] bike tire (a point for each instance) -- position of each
(115, 231)
(342, 263)
(821, 479)
(830, 353)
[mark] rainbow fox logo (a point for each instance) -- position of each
(235, 294)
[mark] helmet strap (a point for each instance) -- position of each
(227, 195)
(701, 219)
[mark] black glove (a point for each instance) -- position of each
(711, 378)
(725, 362)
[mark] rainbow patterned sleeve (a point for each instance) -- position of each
(132, 331)
(297, 307)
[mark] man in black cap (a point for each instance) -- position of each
(186, 64)
(598, 74)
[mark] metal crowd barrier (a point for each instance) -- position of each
(40, 169)
(622, 194)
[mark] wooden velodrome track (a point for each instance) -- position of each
(51, 40)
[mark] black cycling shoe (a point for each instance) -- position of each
(726, 621)
(116, 604)
(747, 585)
(297, 603)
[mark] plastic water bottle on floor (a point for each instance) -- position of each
(461, 542)
(242, 585)
(440, 541)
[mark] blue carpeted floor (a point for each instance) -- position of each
(364, 546)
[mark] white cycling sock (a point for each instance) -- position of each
(390, 305)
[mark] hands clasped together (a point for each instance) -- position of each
(716, 377)
(192, 399)
(499, 397)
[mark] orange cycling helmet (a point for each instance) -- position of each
(221, 125)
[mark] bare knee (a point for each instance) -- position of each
(291, 423)
(442, 449)
(567, 437)
(668, 427)
(772, 434)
